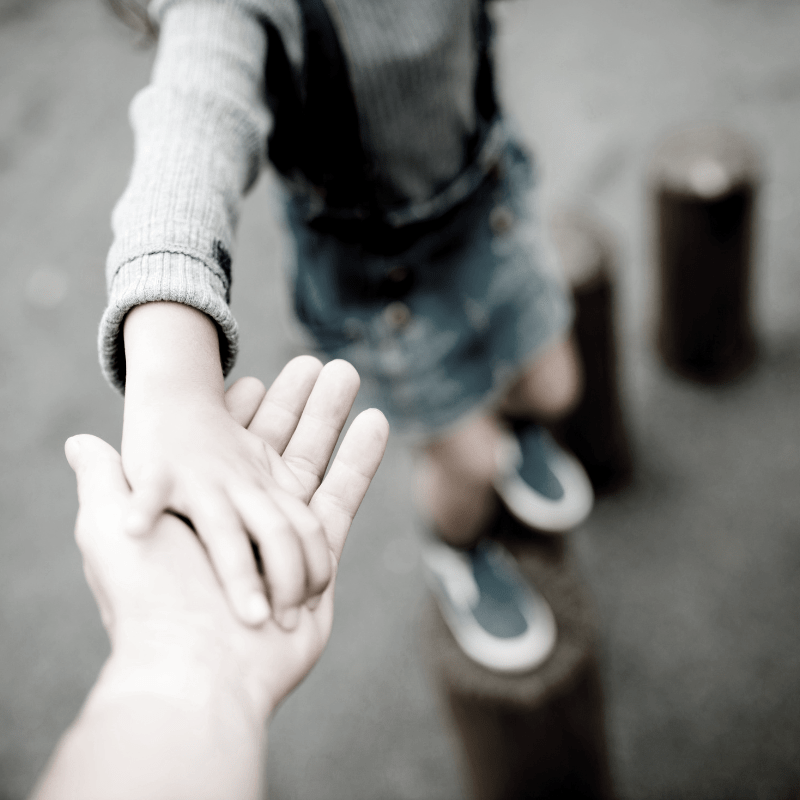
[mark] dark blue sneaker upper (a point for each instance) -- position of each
(498, 610)
(534, 469)
(498, 619)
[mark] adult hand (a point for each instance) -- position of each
(179, 707)
(158, 595)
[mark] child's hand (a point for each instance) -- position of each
(192, 457)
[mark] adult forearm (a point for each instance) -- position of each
(168, 739)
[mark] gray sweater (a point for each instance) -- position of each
(201, 125)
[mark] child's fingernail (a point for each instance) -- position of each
(290, 618)
(257, 608)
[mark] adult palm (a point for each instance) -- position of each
(168, 620)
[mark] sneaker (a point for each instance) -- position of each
(498, 619)
(542, 485)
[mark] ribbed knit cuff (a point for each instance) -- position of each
(177, 277)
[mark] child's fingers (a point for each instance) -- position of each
(311, 536)
(243, 399)
(276, 419)
(148, 502)
(230, 552)
(324, 416)
(282, 556)
(340, 494)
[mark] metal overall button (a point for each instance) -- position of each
(396, 283)
(397, 315)
(501, 218)
(353, 329)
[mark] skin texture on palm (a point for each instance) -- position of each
(179, 708)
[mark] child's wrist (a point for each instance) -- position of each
(172, 349)
(158, 395)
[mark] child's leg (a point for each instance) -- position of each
(455, 479)
(549, 388)
(540, 483)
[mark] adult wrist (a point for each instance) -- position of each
(136, 736)
(182, 677)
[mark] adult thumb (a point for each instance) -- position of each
(97, 467)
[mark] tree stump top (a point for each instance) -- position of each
(705, 162)
(585, 248)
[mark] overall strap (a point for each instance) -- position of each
(316, 133)
(316, 129)
(485, 97)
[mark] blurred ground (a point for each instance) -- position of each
(694, 567)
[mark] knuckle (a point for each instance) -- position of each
(232, 559)
(254, 384)
(280, 530)
(322, 579)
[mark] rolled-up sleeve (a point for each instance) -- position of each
(199, 130)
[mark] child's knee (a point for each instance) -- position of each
(551, 387)
(468, 456)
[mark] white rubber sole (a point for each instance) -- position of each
(533, 509)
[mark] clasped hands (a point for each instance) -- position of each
(173, 632)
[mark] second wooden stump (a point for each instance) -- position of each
(542, 734)
(595, 431)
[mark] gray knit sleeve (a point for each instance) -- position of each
(199, 130)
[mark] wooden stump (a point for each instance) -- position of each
(539, 735)
(704, 184)
(595, 431)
